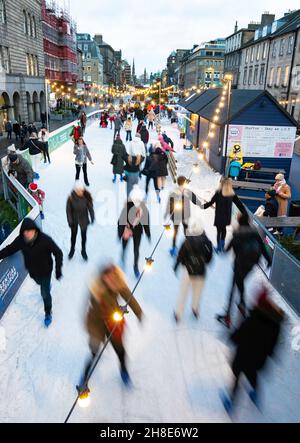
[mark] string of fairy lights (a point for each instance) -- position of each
(83, 396)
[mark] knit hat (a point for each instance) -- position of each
(33, 187)
(13, 157)
(137, 195)
(11, 148)
(279, 177)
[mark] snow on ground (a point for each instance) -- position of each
(177, 371)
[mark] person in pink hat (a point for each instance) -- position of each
(38, 195)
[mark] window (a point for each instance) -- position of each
(264, 55)
(252, 55)
(25, 28)
(2, 12)
(271, 79)
(85, 47)
(247, 55)
(290, 44)
(4, 59)
(28, 24)
(250, 76)
(36, 66)
(274, 50)
(262, 74)
(286, 76)
(282, 43)
(28, 64)
(258, 53)
(255, 75)
(33, 27)
(278, 76)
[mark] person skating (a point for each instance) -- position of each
(105, 290)
(168, 140)
(128, 129)
(39, 196)
(118, 125)
(83, 121)
(76, 132)
(20, 169)
(223, 199)
(44, 139)
(248, 248)
(35, 148)
(82, 153)
(17, 129)
(255, 342)
(151, 118)
(162, 171)
(118, 159)
(37, 249)
(150, 171)
(80, 212)
(194, 255)
(144, 135)
(133, 221)
(135, 156)
(178, 208)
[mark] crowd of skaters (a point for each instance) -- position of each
(131, 160)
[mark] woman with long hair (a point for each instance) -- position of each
(82, 153)
(223, 199)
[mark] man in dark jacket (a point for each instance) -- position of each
(144, 135)
(118, 125)
(255, 341)
(21, 169)
(248, 248)
(179, 208)
(8, 129)
(37, 249)
(271, 205)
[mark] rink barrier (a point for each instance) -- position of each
(12, 269)
(284, 273)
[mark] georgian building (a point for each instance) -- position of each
(22, 69)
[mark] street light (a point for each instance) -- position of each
(228, 78)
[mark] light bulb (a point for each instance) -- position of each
(178, 206)
(211, 134)
(148, 264)
(196, 168)
(205, 145)
(201, 156)
(117, 316)
(84, 399)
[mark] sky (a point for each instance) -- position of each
(149, 31)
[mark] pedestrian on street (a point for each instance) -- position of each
(17, 129)
(37, 249)
(83, 121)
(283, 195)
(20, 169)
(23, 132)
(82, 153)
(44, 139)
(223, 199)
(194, 255)
(248, 248)
(32, 129)
(118, 125)
(135, 156)
(105, 289)
(133, 221)
(8, 129)
(118, 159)
(178, 208)
(35, 148)
(255, 341)
(80, 212)
(38, 195)
(128, 129)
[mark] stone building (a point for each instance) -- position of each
(22, 69)
(92, 61)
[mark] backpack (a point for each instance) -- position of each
(196, 261)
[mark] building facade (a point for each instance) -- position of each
(203, 65)
(92, 61)
(271, 61)
(22, 82)
(111, 61)
(59, 33)
(173, 64)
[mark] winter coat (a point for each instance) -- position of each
(151, 116)
(128, 217)
(119, 155)
(144, 134)
(283, 195)
(136, 154)
(271, 208)
(83, 120)
(223, 208)
(80, 210)
(139, 114)
(128, 125)
(236, 156)
(76, 132)
(118, 123)
(22, 171)
(256, 339)
(37, 255)
(103, 304)
(16, 128)
(81, 153)
(38, 195)
(168, 140)
(8, 127)
(184, 199)
(158, 164)
(43, 135)
(31, 128)
(34, 146)
(248, 248)
(165, 146)
(194, 249)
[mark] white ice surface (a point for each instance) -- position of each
(177, 371)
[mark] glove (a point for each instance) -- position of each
(58, 274)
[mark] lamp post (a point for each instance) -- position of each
(47, 104)
(228, 78)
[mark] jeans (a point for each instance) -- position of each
(132, 180)
(176, 227)
(137, 236)
(154, 181)
(46, 152)
(150, 124)
(128, 136)
(117, 132)
(240, 274)
(84, 169)
(221, 233)
(45, 285)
